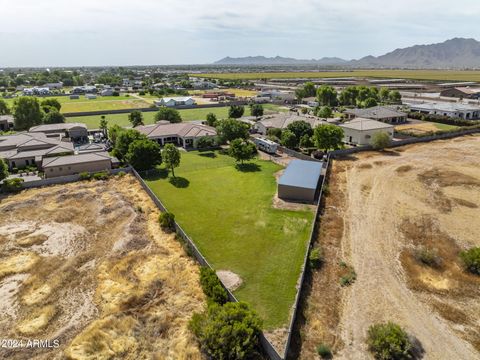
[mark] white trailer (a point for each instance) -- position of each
(266, 145)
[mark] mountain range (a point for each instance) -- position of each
(457, 53)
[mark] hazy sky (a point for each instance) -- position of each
(129, 32)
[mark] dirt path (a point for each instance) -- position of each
(379, 198)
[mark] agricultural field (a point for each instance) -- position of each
(383, 211)
(93, 121)
(87, 264)
(237, 92)
(430, 75)
(232, 217)
(100, 103)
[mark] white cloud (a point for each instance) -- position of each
(55, 32)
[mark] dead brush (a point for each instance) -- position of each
(428, 256)
(140, 303)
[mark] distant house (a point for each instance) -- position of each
(183, 134)
(77, 132)
(6, 122)
(463, 111)
(202, 85)
(54, 86)
(281, 121)
(360, 131)
(299, 181)
(107, 92)
(461, 92)
(277, 95)
(175, 101)
(386, 114)
(74, 97)
(91, 96)
(75, 164)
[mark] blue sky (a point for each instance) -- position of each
(120, 32)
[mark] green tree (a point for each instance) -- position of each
(53, 117)
(3, 169)
(300, 128)
(231, 129)
(52, 103)
(306, 141)
(289, 139)
(389, 341)
(309, 89)
(327, 96)
(123, 141)
(380, 140)
(104, 125)
(4, 109)
(471, 260)
(395, 97)
(171, 157)
(325, 112)
(384, 95)
(348, 96)
(327, 137)
(211, 119)
(370, 102)
(300, 94)
(235, 111)
(144, 154)
(168, 114)
(256, 110)
(27, 113)
(136, 118)
(242, 150)
(228, 332)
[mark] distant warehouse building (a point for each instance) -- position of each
(461, 92)
(300, 180)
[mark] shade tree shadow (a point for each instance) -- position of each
(155, 174)
(248, 167)
(179, 182)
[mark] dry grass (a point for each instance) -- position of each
(100, 275)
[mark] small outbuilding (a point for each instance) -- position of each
(300, 180)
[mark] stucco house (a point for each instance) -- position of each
(77, 132)
(386, 114)
(360, 131)
(281, 121)
(75, 164)
(183, 134)
(175, 101)
(464, 111)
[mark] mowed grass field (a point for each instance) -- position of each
(93, 122)
(229, 215)
(433, 75)
(100, 103)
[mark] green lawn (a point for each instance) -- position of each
(229, 215)
(444, 126)
(187, 115)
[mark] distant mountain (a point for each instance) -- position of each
(278, 60)
(457, 53)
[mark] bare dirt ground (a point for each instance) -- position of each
(87, 264)
(382, 208)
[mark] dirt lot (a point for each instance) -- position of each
(382, 208)
(86, 264)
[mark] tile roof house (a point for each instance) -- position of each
(386, 114)
(281, 121)
(74, 131)
(183, 134)
(75, 164)
(464, 111)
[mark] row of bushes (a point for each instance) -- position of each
(442, 119)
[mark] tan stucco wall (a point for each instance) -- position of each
(363, 137)
(77, 168)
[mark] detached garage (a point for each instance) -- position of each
(300, 180)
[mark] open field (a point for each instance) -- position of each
(100, 103)
(237, 92)
(93, 122)
(87, 264)
(431, 75)
(424, 127)
(382, 209)
(228, 213)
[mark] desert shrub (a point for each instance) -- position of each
(85, 176)
(101, 175)
(12, 185)
(121, 174)
(167, 221)
(212, 287)
(471, 260)
(427, 256)
(315, 258)
(389, 341)
(231, 331)
(349, 275)
(324, 351)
